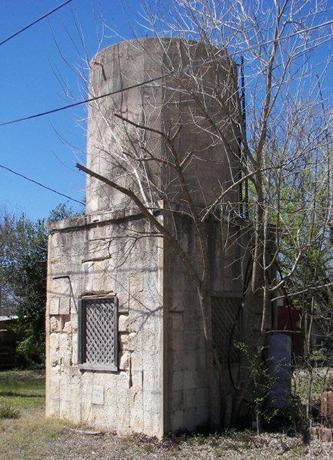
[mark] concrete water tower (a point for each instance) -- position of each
(125, 344)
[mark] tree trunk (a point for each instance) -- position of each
(212, 364)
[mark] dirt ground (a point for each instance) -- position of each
(31, 436)
(234, 446)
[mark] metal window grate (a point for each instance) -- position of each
(98, 333)
(226, 327)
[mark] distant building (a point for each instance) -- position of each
(7, 342)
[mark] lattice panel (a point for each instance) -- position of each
(99, 330)
(226, 327)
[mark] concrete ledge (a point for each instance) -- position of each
(90, 220)
(97, 368)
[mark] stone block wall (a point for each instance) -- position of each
(187, 385)
(169, 104)
(99, 258)
(161, 384)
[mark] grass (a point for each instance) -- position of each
(322, 380)
(28, 436)
(8, 411)
(31, 436)
(24, 432)
(22, 389)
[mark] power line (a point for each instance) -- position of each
(40, 184)
(34, 22)
(152, 80)
(84, 101)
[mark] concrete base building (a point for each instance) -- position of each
(126, 350)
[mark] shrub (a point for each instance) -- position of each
(7, 411)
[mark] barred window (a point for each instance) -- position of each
(98, 333)
(226, 327)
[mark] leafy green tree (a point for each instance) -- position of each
(29, 273)
(23, 273)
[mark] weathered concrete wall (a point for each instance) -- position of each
(186, 383)
(201, 101)
(100, 258)
(186, 380)
(161, 384)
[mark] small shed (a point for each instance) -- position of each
(7, 342)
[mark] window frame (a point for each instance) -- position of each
(224, 346)
(82, 363)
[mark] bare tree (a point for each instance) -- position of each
(276, 143)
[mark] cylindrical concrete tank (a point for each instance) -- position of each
(190, 115)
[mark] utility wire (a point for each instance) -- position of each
(40, 184)
(2, 42)
(145, 82)
(84, 101)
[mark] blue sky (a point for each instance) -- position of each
(37, 69)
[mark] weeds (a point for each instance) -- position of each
(7, 411)
(57, 439)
